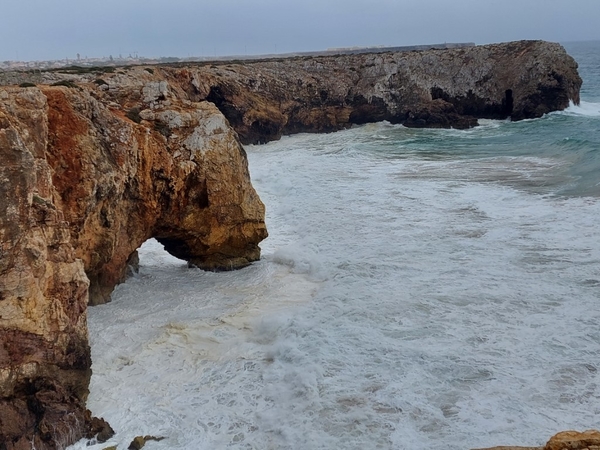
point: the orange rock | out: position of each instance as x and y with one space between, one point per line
575 440
82 186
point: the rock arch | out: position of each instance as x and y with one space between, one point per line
83 186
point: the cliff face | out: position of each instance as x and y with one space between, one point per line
435 88
82 186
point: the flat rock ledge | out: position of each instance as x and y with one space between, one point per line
565 440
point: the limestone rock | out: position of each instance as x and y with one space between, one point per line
510 447
82 186
453 87
565 440
90 170
434 88
575 440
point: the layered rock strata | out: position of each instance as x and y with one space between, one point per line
84 181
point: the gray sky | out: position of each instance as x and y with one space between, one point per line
43 29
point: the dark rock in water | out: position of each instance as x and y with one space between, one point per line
44 415
139 441
100 429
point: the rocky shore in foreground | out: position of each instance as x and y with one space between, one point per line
96 161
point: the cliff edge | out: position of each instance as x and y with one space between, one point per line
433 88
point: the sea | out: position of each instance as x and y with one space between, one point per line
419 289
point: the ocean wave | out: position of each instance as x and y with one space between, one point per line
589 109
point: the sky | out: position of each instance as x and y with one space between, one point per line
44 30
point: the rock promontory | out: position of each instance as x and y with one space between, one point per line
95 161
433 88
84 181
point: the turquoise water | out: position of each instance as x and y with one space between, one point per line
422 289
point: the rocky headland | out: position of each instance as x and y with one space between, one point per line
95 162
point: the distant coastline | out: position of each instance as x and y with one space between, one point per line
133 60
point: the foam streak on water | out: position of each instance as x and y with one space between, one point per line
405 300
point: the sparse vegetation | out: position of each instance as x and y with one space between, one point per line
78 70
134 114
66 83
162 128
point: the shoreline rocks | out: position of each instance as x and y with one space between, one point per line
432 88
565 440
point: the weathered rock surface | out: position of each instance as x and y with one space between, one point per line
434 88
82 186
565 440
575 440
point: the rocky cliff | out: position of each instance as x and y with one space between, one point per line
84 181
94 162
434 88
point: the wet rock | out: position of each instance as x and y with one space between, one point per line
139 441
100 430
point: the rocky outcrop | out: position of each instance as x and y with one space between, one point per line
439 88
86 177
565 440
434 88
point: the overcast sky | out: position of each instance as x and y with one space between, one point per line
43 29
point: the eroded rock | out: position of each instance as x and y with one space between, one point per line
575 440
565 440
433 88
82 186
91 170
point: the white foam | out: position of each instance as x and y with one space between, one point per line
400 303
588 109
